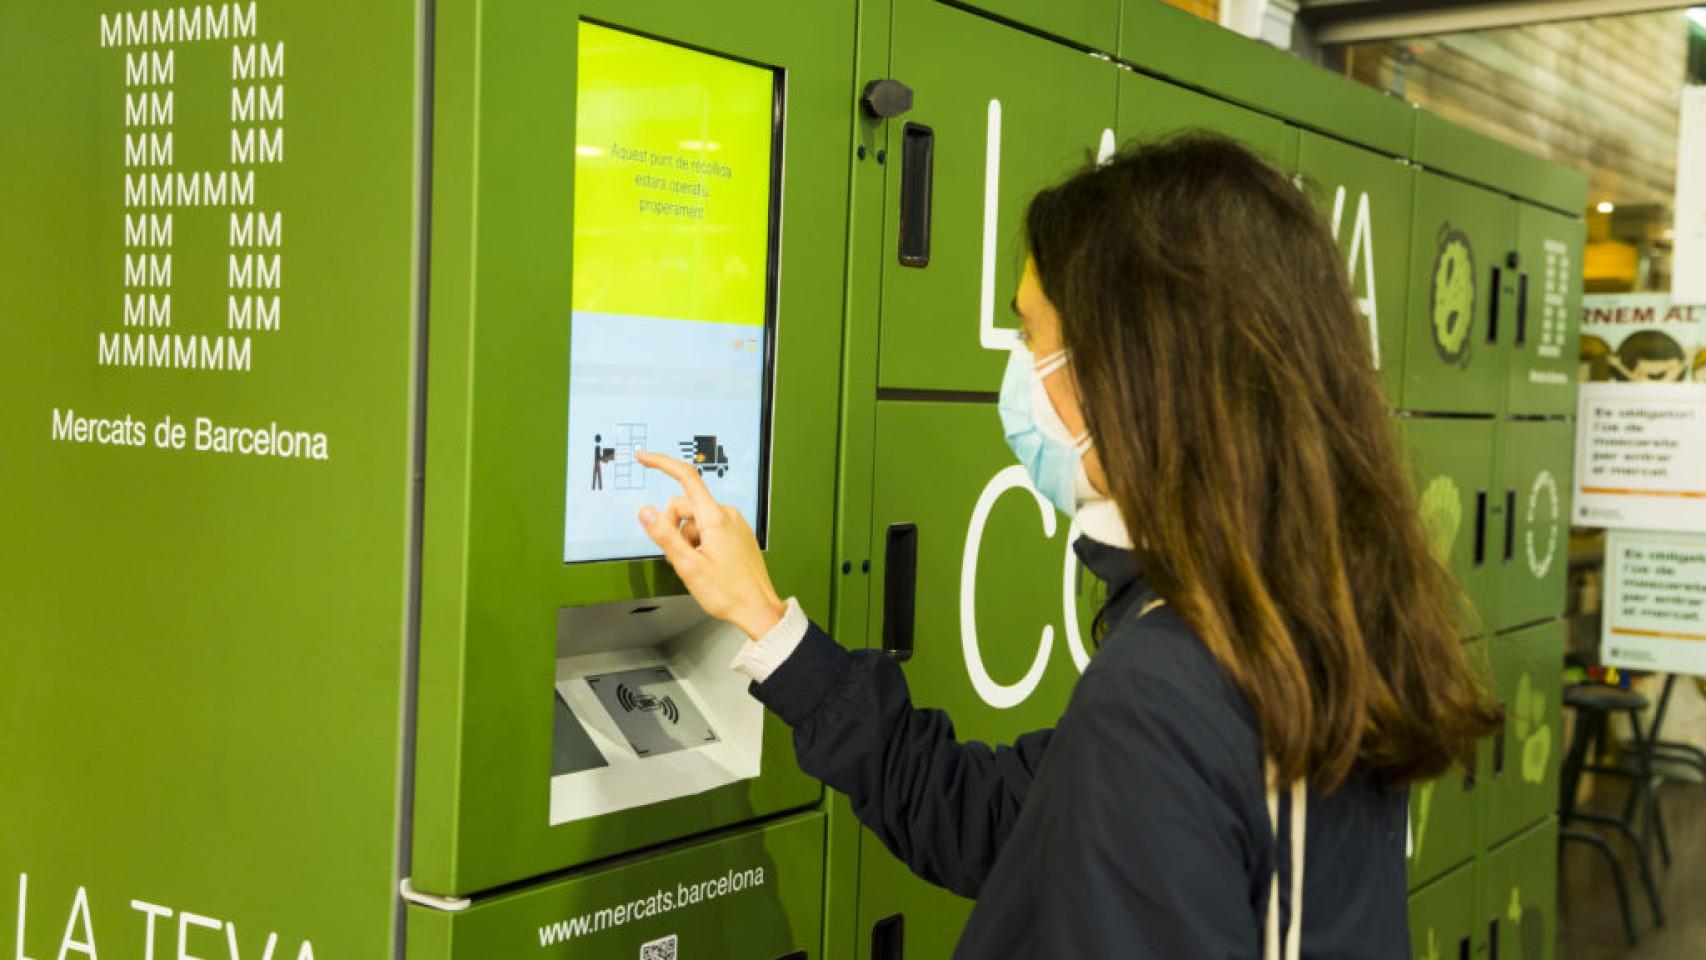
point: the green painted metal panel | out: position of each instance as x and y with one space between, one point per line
1529 571
1451 466
1528 677
1002 105
205 632
988 547
1369 199
758 893
1151 109
1093 23
1449 148
1463 296
1442 917
1161 39
1445 814
1544 357
505 119
1519 895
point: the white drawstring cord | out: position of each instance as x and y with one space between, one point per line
1293 949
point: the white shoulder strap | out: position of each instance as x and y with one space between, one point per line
1293 946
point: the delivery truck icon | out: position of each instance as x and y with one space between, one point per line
707 454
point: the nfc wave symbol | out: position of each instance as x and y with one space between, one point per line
643 702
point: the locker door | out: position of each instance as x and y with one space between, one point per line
1442 917
1463 289
1451 462
1151 109
1521 787
1549 298
1528 571
1369 198
1519 890
1445 815
1000 615
998 114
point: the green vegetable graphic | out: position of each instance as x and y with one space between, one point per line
1453 295
1442 514
1532 730
1424 803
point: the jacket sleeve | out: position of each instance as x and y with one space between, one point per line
943 807
1147 848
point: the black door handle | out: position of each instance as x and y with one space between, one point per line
1510 525
917 183
1522 308
1499 748
900 589
1493 305
887 938
1480 527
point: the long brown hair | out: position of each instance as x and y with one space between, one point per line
1226 377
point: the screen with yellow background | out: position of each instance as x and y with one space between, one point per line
672 181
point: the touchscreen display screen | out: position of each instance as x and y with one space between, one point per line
672 332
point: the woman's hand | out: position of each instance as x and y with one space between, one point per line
713 551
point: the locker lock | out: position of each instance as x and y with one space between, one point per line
1513 260
886 98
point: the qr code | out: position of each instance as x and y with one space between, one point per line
662 948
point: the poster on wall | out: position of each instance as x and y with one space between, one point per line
1655 602
1641 448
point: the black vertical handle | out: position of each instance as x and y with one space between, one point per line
1510 524
900 589
1499 747
1463 949
888 941
1493 305
1480 527
1522 308
917 183
1493 939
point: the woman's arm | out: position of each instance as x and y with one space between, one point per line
944 808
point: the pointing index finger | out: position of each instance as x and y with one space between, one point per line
686 475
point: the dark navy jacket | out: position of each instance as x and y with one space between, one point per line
1136 828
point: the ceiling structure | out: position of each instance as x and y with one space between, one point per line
1334 22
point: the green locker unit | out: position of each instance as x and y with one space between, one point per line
1543 361
998 115
1521 786
758 893
1151 109
1443 917
575 704
1369 199
1441 145
210 260
1519 895
1463 292
1092 24
1529 567
1000 621
1162 40
1451 462
1445 814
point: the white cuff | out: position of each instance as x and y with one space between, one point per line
761 657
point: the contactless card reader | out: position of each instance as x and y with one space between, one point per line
653 711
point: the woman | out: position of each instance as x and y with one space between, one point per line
1279 652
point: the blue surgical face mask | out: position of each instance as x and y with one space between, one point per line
1051 455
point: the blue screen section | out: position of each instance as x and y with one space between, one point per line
688 388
